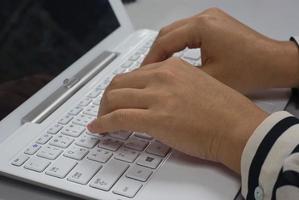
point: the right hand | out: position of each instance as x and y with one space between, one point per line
231 52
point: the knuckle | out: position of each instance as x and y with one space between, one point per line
119 117
214 10
163 31
163 75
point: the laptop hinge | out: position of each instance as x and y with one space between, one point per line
69 87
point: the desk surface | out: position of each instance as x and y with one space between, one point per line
275 18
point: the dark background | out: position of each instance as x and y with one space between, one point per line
41 38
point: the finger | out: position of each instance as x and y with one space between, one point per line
164 47
123 99
123 119
173 26
134 79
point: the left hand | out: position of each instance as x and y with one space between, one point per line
183 107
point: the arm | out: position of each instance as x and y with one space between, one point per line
270 160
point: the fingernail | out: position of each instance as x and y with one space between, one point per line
91 126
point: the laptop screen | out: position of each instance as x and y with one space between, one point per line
41 38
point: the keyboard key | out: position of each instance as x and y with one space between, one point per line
99 155
54 129
97 101
127 64
158 149
92 110
61 167
143 136
44 139
135 57
49 152
127 187
87 141
20 160
110 144
32 149
84 171
192 54
83 120
96 92
61 141
73 130
65 119
123 135
107 176
127 155
139 173
149 161
77 153
37 164
76 110
118 71
84 102
137 144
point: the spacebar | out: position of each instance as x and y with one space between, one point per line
106 178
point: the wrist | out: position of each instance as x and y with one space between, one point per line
285 65
232 145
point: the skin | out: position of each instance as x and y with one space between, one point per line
200 111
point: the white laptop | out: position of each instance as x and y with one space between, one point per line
43 140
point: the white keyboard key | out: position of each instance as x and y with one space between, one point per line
118 71
49 152
158 149
43 139
127 187
20 160
32 149
74 152
139 173
84 102
61 167
65 119
76 110
83 120
54 129
127 64
84 171
143 50
72 130
149 161
87 141
37 164
99 155
192 54
123 135
91 110
97 101
110 144
135 143
61 141
135 57
127 155
143 136
107 176
95 134
96 92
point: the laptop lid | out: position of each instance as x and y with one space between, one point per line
44 42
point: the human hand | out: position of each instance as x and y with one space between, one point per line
231 52
183 107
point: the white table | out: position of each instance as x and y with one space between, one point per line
276 18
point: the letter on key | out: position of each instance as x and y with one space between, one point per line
83 172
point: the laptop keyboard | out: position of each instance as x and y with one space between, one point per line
120 162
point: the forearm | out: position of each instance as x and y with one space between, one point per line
270 159
284 69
